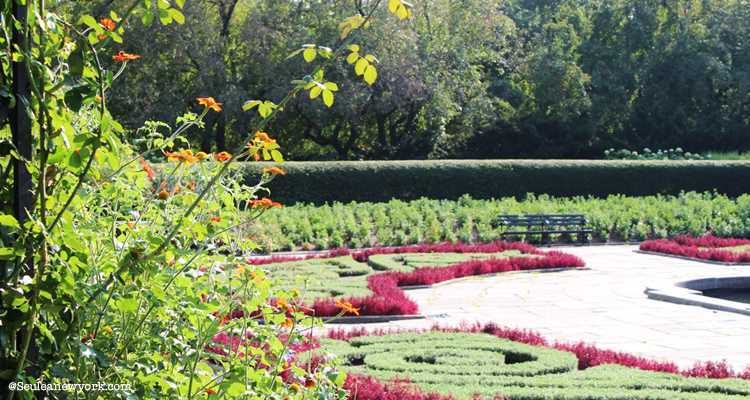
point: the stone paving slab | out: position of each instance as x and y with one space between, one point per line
605 305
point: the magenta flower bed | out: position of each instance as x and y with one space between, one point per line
389 299
704 248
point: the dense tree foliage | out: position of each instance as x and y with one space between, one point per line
470 78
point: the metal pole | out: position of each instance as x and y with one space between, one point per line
20 123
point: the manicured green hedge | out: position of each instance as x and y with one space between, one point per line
319 182
465 364
394 223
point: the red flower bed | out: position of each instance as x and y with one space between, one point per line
389 299
362 387
704 248
494 247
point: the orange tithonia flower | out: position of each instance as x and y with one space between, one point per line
215 219
223 156
274 171
347 307
147 168
131 224
123 57
108 24
186 156
209 102
201 155
265 203
256 156
163 195
263 137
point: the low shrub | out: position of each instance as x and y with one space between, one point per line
469 363
330 278
728 250
468 220
320 182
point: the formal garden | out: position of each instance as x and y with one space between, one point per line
374 200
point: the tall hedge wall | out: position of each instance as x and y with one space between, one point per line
319 182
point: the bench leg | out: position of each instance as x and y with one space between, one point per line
545 238
583 238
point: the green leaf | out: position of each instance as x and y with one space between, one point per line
352 58
89 21
147 18
164 17
309 54
9 220
127 304
328 98
163 4
177 15
277 156
331 86
250 104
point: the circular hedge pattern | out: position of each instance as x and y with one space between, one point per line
465 364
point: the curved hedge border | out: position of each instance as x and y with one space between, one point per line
461 362
388 298
319 182
704 248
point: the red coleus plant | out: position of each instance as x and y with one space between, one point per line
705 248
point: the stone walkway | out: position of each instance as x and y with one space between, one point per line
605 306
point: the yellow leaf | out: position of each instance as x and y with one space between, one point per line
315 92
309 54
371 74
360 67
352 58
393 5
328 98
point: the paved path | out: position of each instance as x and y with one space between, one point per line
605 306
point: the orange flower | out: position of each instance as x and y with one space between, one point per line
288 323
163 195
223 156
108 24
309 383
215 219
211 391
185 156
123 57
295 387
147 168
347 307
263 137
256 156
265 203
283 304
209 102
201 155
274 171
131 224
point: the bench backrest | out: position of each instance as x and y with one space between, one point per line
542 220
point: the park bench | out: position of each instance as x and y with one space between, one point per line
545 225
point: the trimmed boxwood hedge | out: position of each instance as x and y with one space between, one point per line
319 182
465 364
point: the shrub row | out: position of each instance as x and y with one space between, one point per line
467 220
349 278
728 250
436 363
319 182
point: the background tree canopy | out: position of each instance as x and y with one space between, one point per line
469 78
